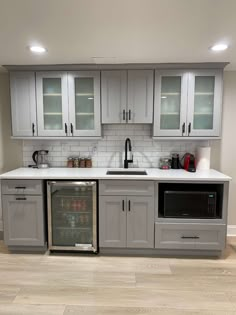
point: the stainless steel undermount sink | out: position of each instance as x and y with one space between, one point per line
126 172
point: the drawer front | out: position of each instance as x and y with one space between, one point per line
126 187
212 237
21 187
190 236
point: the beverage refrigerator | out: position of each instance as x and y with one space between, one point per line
72 215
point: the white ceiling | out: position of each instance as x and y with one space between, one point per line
121 31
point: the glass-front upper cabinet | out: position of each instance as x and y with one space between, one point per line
170 103
204 103
52 103
84 103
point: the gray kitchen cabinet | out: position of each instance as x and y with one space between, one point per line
124 187
170 106
112 221
21 187
126 217
84 103
188 103
190 236
23 104
68 103
140 219
114 96
23 220
52 103
23 213
204 103
127 96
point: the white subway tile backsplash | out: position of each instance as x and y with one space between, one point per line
107 152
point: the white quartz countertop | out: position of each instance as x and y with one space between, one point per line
100 173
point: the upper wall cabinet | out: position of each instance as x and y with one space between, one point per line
68 104
127 96
188 104
23 104
52 103
84 103
204 103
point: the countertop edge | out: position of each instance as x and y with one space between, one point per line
100 174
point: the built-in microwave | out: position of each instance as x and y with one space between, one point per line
190 204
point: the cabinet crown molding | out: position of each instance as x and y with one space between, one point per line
130 66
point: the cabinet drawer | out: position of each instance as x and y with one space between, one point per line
190 236
127 187
21 187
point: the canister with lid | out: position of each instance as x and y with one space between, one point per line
70 162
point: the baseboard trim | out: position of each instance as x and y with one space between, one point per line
231 230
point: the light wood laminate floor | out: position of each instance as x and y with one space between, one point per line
34 284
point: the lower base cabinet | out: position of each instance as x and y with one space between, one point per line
126 221
190 236
23 221
23 213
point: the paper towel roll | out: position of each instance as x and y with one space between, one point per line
203 158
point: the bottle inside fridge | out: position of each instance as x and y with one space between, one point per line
72 215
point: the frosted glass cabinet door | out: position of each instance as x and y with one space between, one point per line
170 103
52 103
204 103
84 103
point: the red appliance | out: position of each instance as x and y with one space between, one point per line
189 162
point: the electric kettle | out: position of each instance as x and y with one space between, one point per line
40 158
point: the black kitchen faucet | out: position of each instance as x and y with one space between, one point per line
126 161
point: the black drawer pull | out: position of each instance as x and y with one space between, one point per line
20 187
129 114
21 198
129 208
123 205
190 237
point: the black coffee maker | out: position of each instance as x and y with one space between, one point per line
175 161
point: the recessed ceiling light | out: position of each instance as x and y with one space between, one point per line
219 47
38 49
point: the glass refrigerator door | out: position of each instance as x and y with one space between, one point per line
72 216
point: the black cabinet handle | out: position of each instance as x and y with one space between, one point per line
190 237
33 128
20 187
123 114
189 128
66 129
71 129
123 205
183 129
129 205
21 198
129 114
